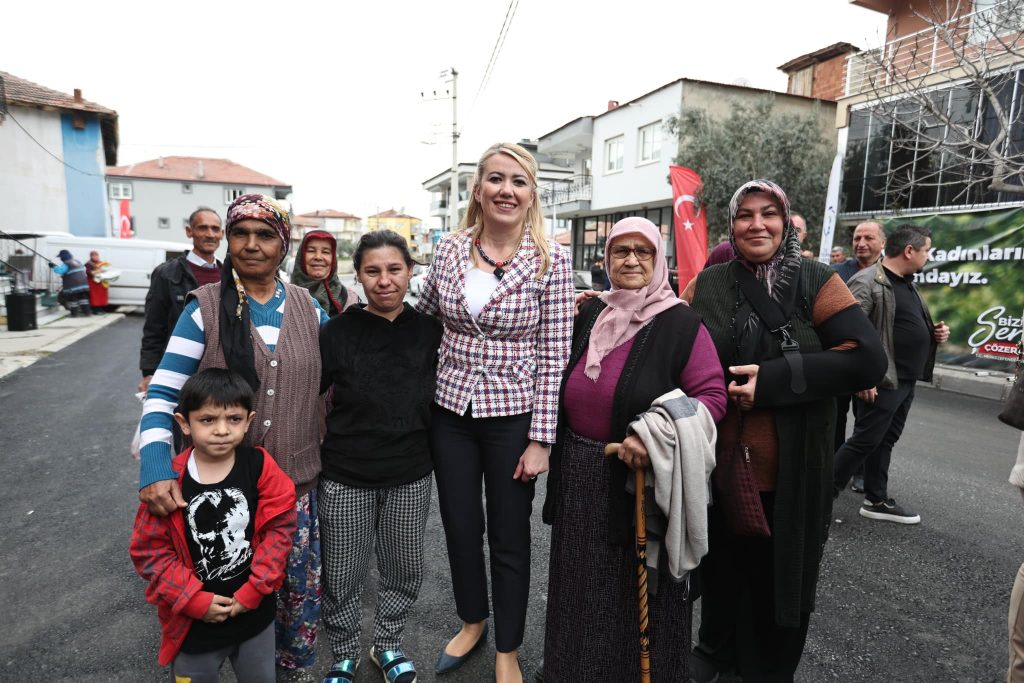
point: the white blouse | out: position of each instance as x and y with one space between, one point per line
479 288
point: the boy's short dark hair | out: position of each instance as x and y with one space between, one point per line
223 388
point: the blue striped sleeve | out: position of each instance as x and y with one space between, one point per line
320 311
180 361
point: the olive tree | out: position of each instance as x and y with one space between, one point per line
755 141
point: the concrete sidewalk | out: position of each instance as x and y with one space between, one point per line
56 331
989 384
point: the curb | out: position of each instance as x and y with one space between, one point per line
987 384
21 349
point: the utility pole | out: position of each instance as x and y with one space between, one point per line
453 203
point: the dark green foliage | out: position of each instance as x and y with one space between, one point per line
345 249
755 141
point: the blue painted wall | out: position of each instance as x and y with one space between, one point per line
87 207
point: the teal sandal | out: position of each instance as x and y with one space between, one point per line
394 665
342 672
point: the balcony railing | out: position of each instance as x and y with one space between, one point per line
22 270
576 189
983 35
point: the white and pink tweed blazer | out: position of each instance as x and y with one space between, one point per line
510 360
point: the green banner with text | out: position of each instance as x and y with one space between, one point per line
974 279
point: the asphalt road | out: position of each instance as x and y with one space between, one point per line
924 603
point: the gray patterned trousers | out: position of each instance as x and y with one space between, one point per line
353 521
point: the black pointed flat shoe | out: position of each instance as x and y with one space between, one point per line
447 663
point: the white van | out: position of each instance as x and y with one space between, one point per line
134 258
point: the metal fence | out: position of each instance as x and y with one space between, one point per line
576 189
21 269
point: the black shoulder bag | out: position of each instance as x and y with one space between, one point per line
776 318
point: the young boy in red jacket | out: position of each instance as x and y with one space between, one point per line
213 565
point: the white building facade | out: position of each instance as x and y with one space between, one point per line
164 192
620 159
39 129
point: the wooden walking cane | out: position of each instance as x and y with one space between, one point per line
641 569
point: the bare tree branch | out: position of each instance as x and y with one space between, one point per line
945 94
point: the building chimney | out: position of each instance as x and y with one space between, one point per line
78 94
160 162
200 171
612 104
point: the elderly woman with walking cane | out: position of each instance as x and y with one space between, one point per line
632 347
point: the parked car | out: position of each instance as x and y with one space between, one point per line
419 275
581 280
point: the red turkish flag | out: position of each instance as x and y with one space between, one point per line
125 219
691 228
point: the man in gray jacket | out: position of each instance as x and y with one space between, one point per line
868 243
887 294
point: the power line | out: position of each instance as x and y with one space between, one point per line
510 14
12 117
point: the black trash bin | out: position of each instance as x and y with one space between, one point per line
21 311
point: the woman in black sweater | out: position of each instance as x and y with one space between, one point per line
379 361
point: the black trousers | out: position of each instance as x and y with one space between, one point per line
738 627
469 454
842 409
877 428
843 403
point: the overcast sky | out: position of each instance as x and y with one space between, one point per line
326 96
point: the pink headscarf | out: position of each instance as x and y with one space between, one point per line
629 310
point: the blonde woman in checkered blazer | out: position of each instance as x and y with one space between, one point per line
505 296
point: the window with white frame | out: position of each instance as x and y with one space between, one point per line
613 149
648 143
120 190
232 193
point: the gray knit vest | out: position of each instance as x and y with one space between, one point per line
289 410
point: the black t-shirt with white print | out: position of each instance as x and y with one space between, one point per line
219 523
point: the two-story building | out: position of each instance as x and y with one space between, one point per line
344 226
409 227
909 104
549 176
164 192
931 126
618 160
53 148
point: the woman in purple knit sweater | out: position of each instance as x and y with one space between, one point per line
631 345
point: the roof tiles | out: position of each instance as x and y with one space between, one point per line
26 93
196 169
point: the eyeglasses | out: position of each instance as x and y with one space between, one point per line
642 253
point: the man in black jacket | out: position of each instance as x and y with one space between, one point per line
171 281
